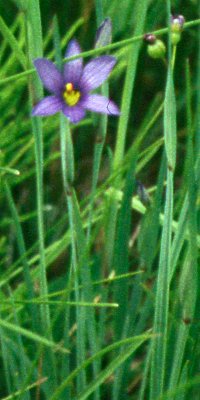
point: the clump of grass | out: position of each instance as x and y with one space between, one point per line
100 219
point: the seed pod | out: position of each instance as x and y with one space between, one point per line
156 48
177 23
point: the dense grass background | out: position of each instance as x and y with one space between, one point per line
99 268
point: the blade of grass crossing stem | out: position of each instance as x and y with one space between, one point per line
22 252
34 47
95 52
140 16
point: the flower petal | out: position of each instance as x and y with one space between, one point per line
96 72
48 106
75 113
100 104
73 69
50 76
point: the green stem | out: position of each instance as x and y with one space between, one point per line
92 53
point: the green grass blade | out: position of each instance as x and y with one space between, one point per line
135 342
140 10
170 121
10 38
115 363
22 251
32 336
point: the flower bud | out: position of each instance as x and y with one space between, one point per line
104 34
177 23
156 48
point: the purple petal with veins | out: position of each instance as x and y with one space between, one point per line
48 106
96 72
73 69
98 103
75 113
50 76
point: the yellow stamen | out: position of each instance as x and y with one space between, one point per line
70 95
69 87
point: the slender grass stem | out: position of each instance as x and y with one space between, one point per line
92 53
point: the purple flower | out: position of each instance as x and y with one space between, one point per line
71 89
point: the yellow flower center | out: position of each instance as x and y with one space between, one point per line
70 95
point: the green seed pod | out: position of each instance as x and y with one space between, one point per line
156 49
175 38
177 23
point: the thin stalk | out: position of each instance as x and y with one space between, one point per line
67 164
92 53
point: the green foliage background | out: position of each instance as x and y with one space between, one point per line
99 245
